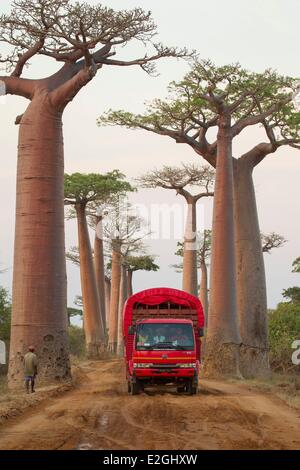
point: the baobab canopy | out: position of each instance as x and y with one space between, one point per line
69 32
193 105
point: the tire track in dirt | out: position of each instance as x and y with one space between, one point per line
99 414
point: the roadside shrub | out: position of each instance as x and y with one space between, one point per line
77 341
284 329
5 319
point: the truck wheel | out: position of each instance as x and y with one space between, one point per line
129 386
135 388
192 388
181 389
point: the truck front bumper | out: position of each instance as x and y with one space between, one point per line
163 372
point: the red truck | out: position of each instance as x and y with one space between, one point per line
162 332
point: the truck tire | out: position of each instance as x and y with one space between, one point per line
129 386
181 389
135 388
192 388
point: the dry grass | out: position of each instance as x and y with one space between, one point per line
284 386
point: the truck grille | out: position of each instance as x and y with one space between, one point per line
165 366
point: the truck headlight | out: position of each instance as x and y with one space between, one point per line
188 365
142 365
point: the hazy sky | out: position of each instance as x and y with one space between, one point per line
259 34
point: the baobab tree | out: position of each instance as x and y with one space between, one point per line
81 190
123 294
203 254
292 294
129 265
107 290
82 39
207 110
184 180
124 232
138 263
73 256
99 261
73 312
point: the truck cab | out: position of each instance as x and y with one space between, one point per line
162 332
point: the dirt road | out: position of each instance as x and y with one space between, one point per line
99 414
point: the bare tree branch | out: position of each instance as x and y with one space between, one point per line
23 58
258 118
181 179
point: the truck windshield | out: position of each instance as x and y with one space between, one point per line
164 336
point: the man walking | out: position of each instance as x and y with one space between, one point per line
30 369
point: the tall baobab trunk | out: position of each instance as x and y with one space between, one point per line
203 294
223 341
129 283
115 292
107 299
189 276
99 268
251 284
122 300
94 333
39 311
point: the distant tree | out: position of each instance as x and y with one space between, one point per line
271 240
203 254
296 265
77 341
139 263
73 312
5 314
292 294
284 329
99 259
80 190
73 255
107 280
124 231
185 180
78 301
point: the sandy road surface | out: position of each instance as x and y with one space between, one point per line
99 414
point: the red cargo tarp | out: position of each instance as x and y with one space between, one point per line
159 295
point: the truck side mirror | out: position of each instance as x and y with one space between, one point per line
201 332
131 330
